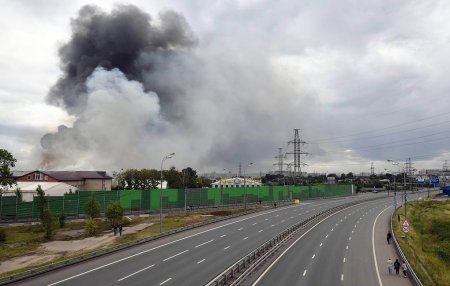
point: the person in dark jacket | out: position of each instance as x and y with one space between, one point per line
389 237
397 266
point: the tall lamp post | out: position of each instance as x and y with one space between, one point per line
160 190
404 181
245 191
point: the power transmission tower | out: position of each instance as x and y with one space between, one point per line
372 170
240 170
297 153
280 158
445 166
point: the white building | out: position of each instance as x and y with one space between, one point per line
28 189
236 182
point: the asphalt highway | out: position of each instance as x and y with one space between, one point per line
188 258
341 250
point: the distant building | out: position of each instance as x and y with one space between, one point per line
236 182
28 189
81 180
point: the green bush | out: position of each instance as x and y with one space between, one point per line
91 227
2 235
62 220
92 207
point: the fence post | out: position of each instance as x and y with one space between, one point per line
104 202
63 204
32 206
78 204
17 199
1 205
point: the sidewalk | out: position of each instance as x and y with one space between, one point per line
384 251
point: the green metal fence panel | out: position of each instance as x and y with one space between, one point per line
144 200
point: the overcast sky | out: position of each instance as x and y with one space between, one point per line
225 82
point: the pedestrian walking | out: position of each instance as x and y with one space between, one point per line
397 266
389 237
115 230
404 268
389 266
120 230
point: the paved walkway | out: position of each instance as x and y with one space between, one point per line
384 251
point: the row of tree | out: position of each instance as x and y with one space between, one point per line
132 179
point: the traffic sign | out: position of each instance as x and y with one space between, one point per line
405 227
435 181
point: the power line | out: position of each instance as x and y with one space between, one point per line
380 129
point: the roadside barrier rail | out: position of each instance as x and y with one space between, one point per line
411 274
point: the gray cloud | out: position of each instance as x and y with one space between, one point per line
257 71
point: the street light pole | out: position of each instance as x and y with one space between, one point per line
160 191
245 191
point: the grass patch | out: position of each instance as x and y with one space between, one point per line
21 240
428 248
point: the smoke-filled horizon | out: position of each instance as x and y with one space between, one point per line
203 107
223 83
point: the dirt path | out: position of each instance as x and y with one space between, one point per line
56 249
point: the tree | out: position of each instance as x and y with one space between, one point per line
45 214
18 194
91 227
173 178
92 207
7 161
189 177
203 182
114 213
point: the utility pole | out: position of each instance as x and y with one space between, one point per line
372 171
297 153
280 163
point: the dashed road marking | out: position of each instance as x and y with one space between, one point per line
179 253
136 272
165 281
204 243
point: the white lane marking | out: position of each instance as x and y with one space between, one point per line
240 228
326 236
346 247
373 247
165 281
266 219
260 230
353 231
245 238
350 238
223 235
272 225
304 272
344 260
159 246
342 277
313 256
136 272
332 229
225 248
292 217
283 220
179 253
198 262
255 223
290 246
320 245
204 243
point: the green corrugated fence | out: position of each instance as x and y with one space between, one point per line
146 200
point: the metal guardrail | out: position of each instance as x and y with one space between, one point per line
237 272
97 253
411 274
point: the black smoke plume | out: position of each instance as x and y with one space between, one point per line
125 39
